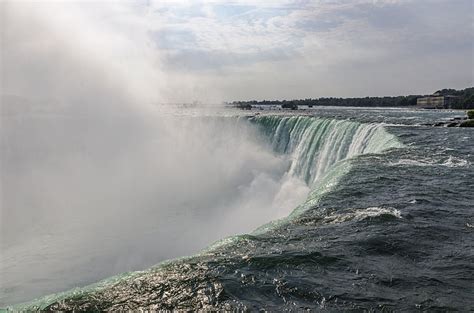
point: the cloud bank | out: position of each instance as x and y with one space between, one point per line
298 49
212 51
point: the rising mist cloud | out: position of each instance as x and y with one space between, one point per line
96 177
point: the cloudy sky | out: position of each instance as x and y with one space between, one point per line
235 50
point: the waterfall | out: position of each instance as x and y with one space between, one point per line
315 147
316 144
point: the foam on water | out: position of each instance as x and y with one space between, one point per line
451 161
361 214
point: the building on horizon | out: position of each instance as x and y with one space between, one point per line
437 101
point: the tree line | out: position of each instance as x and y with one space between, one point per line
465 100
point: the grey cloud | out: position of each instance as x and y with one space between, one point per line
391 16
318 24
204 60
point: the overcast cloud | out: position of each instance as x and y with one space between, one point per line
230 50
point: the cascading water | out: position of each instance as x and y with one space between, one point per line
315 148
316 144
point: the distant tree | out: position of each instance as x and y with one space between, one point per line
468 102
470 114
289 105
465 101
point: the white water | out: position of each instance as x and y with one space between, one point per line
316 144
83 206
361 214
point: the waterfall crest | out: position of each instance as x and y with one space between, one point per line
316 144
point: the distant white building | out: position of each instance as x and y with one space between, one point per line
436 101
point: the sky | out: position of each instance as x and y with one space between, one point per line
213 51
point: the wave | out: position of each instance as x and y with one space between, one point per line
361 214
451 161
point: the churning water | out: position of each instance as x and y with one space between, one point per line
330 209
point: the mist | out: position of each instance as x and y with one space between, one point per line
96 177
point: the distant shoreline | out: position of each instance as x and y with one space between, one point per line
464 100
